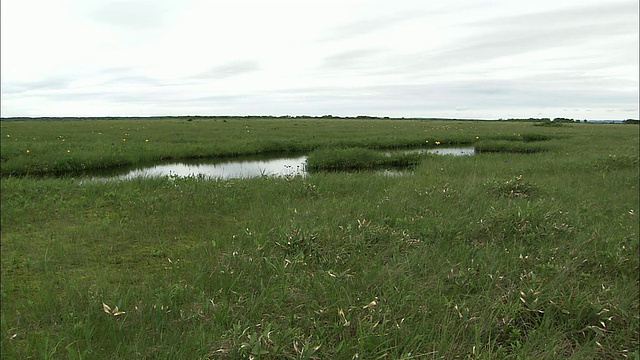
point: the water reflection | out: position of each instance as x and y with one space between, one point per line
232 169
452 151
455 151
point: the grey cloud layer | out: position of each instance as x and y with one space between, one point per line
14 88
544 30
550 32
421 99
229 70
349 59
133 14
623 13
501 37
470 70
371 25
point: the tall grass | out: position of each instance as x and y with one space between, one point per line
486 256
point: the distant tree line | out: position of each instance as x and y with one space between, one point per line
527 119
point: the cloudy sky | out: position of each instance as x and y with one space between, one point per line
400 58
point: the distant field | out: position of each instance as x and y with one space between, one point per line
528 249
71 146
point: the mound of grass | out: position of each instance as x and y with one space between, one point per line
526 137
508 147
357 159
535 137
514 187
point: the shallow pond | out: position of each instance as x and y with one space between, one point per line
235 168
242 168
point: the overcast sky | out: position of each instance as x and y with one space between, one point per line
400 58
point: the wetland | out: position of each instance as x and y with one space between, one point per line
507 253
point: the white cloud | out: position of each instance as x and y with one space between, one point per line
474 59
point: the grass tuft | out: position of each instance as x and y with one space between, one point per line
514 187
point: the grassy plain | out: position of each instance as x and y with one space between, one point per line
496 255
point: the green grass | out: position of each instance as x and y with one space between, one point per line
76 146
349 159
509 147
496 255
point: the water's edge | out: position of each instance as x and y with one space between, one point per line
239 168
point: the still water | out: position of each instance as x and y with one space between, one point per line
238 168
231 169
453 151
